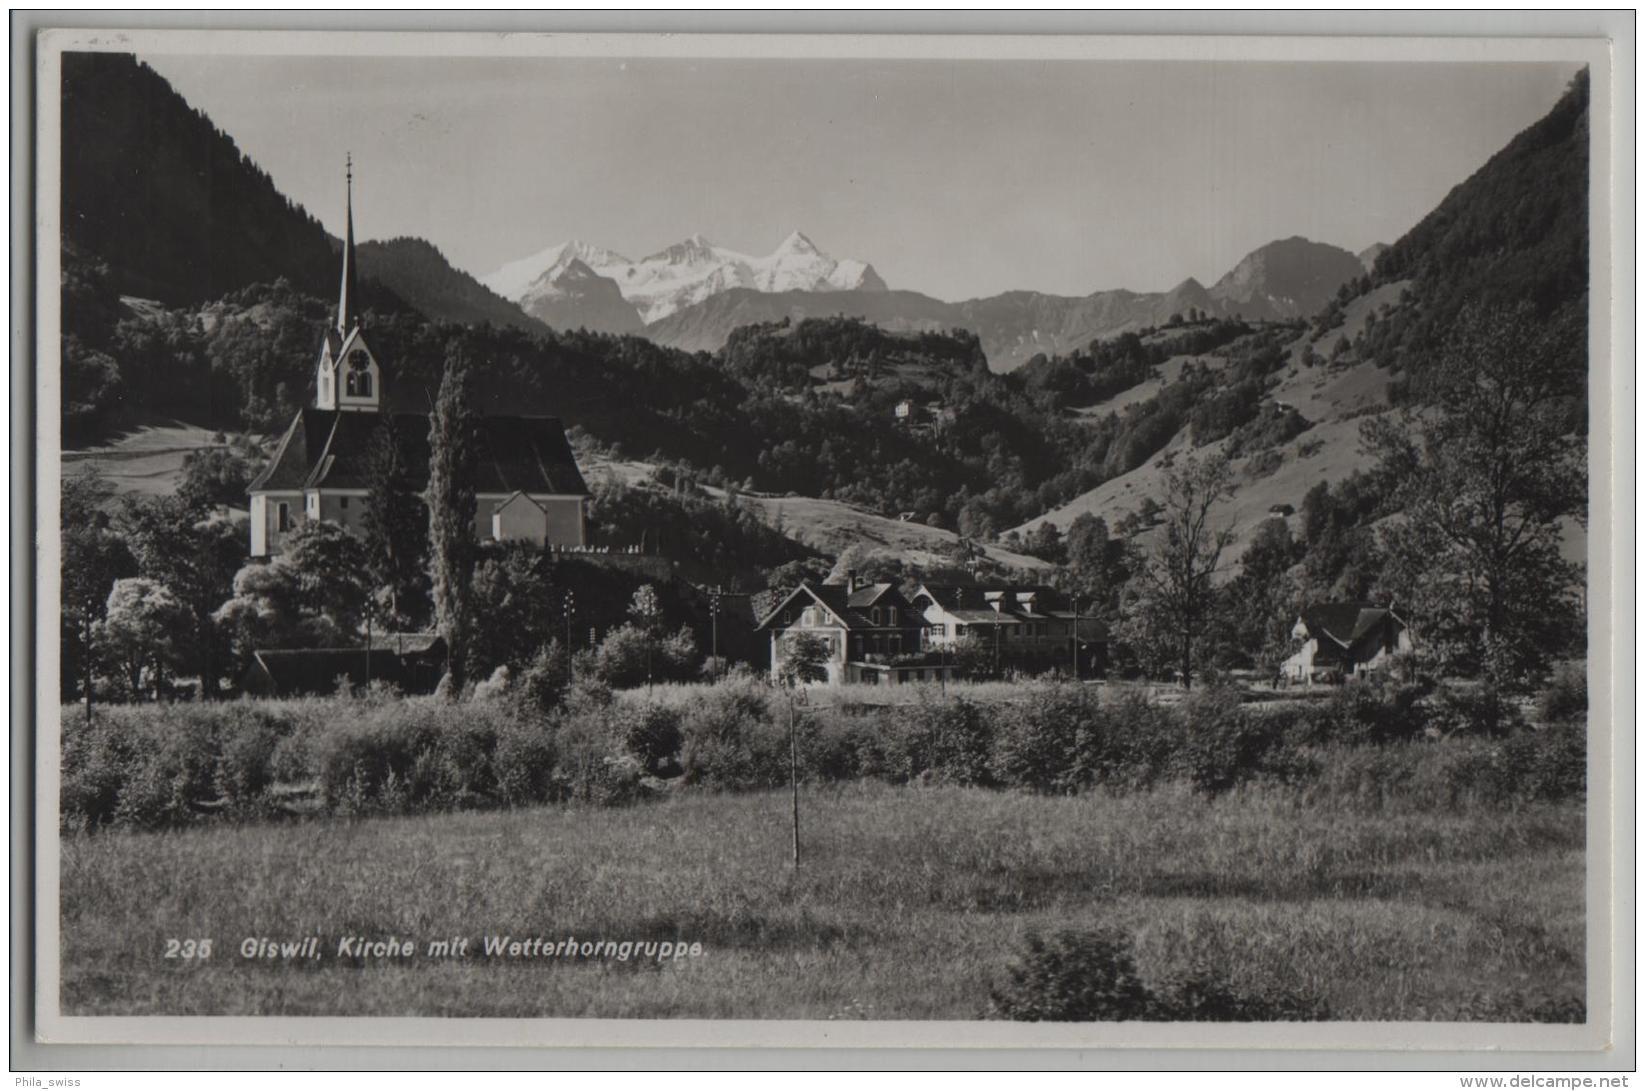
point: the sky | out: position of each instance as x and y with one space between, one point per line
954 178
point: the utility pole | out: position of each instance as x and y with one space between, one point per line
570 612
1074 640
714 615
370 613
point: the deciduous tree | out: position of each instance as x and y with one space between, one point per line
1491 467
1178 592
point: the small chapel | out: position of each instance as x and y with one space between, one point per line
529 486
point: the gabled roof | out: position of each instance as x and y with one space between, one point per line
1345 623
331 448
846 606
289 672
511 498
964 596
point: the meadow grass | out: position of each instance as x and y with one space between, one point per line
910 904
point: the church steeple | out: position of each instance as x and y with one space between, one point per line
348 296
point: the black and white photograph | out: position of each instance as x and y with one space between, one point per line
834 538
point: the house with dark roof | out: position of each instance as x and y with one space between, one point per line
1344 639
527 473
1028 625
872 633
412 662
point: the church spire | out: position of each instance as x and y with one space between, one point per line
347 298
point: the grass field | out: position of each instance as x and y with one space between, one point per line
910 904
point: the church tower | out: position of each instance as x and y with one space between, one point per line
348 377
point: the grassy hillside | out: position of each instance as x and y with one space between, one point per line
145 459
911 904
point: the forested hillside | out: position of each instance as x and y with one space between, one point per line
157 192
1515 232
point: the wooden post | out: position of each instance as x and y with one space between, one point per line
794 776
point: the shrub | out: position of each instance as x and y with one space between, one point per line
1226 745
651 734
1091 976
591 763
494 688
1565 700
1074 977
949 742
732 740
524 761
1480 711
1139 741
1204 995
1045 742
545 681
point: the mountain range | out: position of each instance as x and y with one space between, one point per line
558 280
693 294
1288 279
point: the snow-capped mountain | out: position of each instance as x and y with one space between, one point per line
569 294
512 280
686 273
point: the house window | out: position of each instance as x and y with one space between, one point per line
284 519
788 617
875 614
344 502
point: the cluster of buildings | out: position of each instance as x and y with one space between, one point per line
874 634
531 489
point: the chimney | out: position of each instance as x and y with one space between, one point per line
850 581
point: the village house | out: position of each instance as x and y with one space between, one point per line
410 662
1343 639
1023 622
872 633
529 485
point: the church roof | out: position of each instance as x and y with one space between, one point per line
326 448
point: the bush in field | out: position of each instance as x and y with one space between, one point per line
1549 764
546 679
1224 745
494 688
651 733
1203 994
1091 976
1368 712
1046 742
524 761
161 766
1074 977
732 740
1478 711
950 742
417 754
247 736
1139 742
1565 700
592 763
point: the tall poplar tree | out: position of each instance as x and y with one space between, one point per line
396 525
452 505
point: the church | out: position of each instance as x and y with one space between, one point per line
529 487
